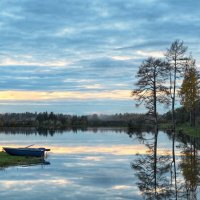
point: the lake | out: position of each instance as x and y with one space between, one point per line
104 164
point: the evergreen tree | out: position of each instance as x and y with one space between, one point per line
151 90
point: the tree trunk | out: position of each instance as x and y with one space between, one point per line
155 163
190 118
174 98
174 166
194 117
155 101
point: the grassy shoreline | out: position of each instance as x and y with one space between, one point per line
183 128
188 130
7 160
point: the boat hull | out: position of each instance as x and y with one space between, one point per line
35 152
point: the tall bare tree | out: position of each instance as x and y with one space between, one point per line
175 56
151 90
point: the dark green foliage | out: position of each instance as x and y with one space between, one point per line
117 120
60 121
45 121
7 160
182 116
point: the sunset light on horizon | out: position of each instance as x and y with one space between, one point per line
75 51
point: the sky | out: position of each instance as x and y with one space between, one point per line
81 57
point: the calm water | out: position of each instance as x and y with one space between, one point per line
104 164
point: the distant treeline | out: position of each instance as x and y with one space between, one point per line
51 120
61 121
42 120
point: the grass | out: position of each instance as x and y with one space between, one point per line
7 160
184 128
188 130
164 126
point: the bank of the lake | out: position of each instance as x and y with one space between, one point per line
106 162
7 160
188 130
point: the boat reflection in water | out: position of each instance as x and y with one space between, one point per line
172 175
28 156
167 166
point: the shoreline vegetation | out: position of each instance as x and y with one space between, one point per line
7 160
165 81
61 121
49 122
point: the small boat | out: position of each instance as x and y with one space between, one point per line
24 151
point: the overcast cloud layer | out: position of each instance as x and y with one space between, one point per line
81 56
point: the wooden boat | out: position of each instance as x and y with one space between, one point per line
35 152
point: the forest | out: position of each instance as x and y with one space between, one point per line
133 121
171 81
62 121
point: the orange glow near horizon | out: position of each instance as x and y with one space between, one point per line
47 95
114 150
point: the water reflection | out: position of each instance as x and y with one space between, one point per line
41 163
96 164
190 167
168 176
151 170
52 132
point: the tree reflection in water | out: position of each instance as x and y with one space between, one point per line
167 176
190 167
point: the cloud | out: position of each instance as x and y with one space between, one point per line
122 187
16 183
13 62
88 46
95 86
156 54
